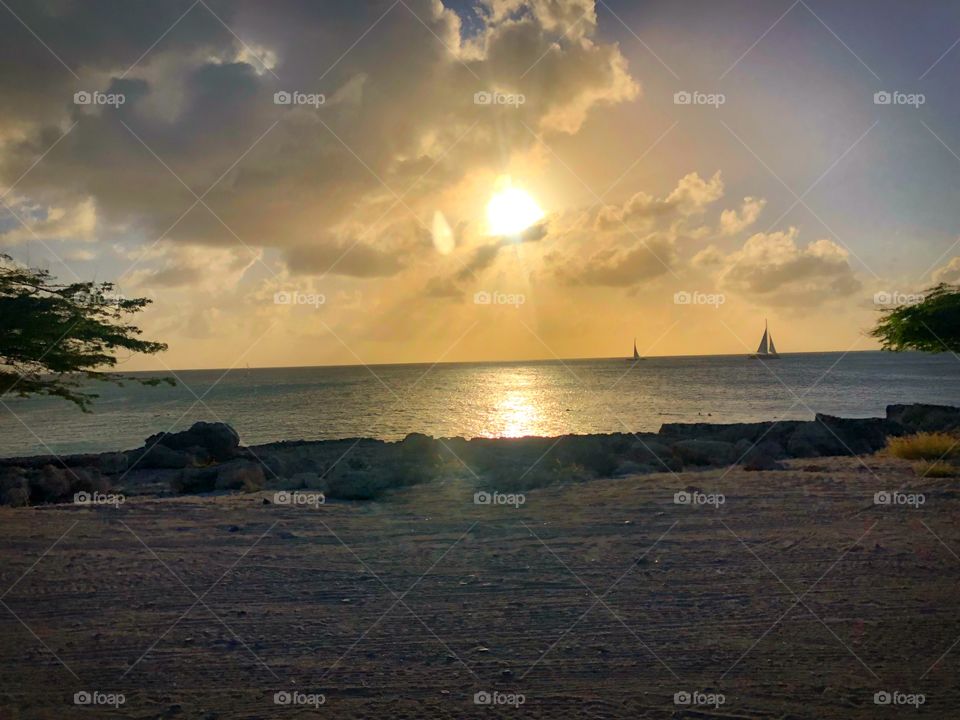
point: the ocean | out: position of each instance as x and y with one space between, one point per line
483 399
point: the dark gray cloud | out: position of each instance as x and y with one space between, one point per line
199 110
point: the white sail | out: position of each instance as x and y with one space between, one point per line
773 348
636 355
762 350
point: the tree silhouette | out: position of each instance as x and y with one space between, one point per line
55 337
932 325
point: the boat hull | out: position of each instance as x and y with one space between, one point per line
764 356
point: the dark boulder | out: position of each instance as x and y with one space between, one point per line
860 436
704 452
830 436
813 439
778 431
240 475
194 480
908 419
216 441
650 453
156 456
757 460
113 463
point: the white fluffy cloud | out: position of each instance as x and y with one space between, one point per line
733 222
774 268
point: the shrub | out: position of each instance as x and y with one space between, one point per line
924 446
935 469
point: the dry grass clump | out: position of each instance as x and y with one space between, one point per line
924 446
935 469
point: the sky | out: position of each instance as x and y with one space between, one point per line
302 183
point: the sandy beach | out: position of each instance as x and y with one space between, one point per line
796 597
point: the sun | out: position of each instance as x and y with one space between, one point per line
512 210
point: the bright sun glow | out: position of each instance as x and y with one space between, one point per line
511 211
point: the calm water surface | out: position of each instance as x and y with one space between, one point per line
484 399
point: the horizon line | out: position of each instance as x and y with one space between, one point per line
492 362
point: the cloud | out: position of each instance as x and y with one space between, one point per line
623 245
198 269
481 258
732 222
199 114
76 223
623 264
773 268
692 196
357 259
949 273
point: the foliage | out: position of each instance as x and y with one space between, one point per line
933 469
54 337
924 446
932 325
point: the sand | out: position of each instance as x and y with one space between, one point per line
798 597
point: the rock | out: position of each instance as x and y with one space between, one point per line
420 449
756 460
50 484
113 463
194 480
309 480
860 436
813 439
11 477
628 467
745 449
161 457
704 452
240 475
649 451
909 419
219 441
15 497
778 431
276 467
353 480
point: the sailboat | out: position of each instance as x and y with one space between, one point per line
767 350
636 356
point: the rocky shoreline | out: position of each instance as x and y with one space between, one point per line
209 458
